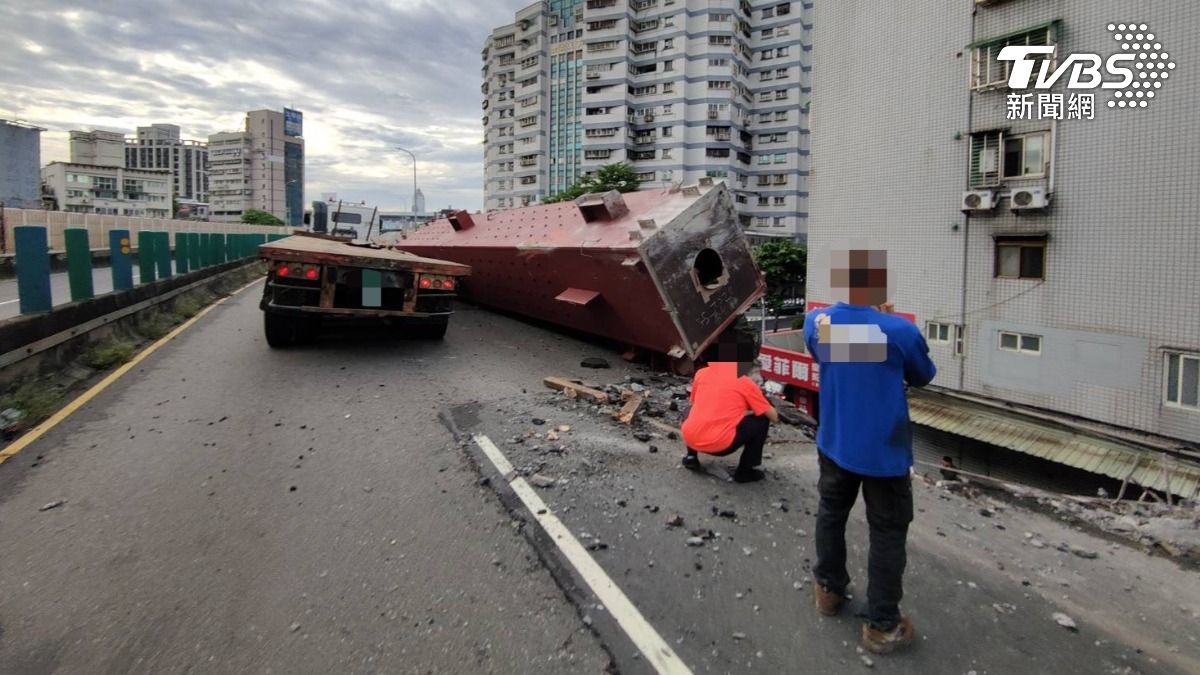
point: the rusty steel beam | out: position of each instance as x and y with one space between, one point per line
664 270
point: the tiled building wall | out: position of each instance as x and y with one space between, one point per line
891 149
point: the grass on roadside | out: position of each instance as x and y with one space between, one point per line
108 354
37 398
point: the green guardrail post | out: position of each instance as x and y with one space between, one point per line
33 269
162 254
145 257
120 259
181 252
79 263
193 250
231 247
206 249
219 248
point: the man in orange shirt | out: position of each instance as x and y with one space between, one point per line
728 412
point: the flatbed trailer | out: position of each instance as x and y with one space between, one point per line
313 278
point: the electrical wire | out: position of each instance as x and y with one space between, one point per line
991 306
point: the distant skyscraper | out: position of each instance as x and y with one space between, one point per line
20 165
159 146
419 202
260 168
679 89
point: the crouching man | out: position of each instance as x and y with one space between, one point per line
728 411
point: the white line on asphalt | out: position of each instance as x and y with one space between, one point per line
651 645
9 302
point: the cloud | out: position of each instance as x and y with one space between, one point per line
368 75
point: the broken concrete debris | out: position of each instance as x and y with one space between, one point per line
675 521
53 505
594 362
1064 621
538 480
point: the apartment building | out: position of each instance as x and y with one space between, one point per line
1045 239
160 146
260 167
98 148
20 165
108 190
679 89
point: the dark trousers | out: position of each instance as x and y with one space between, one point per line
889 511
752 435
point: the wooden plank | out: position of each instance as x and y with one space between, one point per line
563 384
633 403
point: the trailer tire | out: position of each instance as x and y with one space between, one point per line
279 330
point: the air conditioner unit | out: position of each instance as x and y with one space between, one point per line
593 76
978 200
1029 198
649 117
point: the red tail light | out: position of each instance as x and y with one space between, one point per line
310 273
282 271
448 284
426 283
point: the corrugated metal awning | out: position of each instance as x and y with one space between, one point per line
1143 466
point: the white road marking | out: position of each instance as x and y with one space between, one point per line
651 645
9 302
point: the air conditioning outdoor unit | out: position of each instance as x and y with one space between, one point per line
593 76
1029 198
978 200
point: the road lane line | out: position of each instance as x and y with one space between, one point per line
57 418
9 302
651 645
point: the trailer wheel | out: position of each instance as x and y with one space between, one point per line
279 330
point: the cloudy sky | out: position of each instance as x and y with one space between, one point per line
368 75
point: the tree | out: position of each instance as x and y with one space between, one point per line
620 177
785 266
257 217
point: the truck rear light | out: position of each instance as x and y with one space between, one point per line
426 282
310 273
282 271
448 284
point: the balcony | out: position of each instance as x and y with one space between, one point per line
601 4
645 140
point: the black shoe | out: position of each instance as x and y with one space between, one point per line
748 475
691 462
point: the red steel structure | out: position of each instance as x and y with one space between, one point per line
662 270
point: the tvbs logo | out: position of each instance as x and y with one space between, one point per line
1142 64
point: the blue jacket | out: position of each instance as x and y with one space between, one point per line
863 412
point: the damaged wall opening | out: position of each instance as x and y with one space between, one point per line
708 271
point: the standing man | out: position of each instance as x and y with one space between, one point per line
866 355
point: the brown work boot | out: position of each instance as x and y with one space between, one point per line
885 642
828 602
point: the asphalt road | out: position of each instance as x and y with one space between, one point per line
233 509
60 289
229 508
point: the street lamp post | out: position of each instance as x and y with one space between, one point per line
414 161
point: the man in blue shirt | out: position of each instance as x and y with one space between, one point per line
866 355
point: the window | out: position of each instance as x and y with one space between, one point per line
784 9
781 94
668 87
666 132
781 115
767 55
777 221
764 159
765 76
780 158
937 332
781 73
781 52
1025 156
720 39
985 159
779 201
1183 381
768 32
668 66
668 43
989 72
768 12
666 153
716 152
716 173
718 63
1020 257
646 176
718 84
666 109
719 18
1021 343
764 96
764 117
